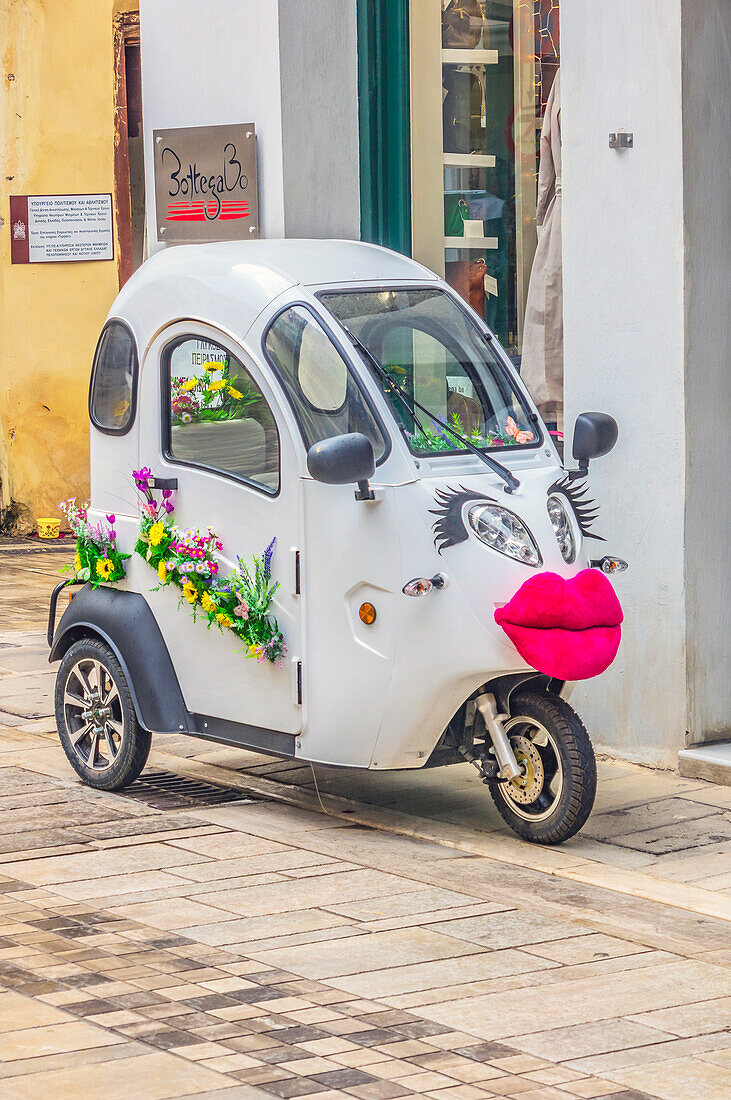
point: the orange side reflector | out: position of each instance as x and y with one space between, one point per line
367 613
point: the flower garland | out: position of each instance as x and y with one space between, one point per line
240 603
97 559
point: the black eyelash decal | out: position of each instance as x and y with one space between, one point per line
584 507
449 527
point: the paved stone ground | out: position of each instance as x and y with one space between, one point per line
183 939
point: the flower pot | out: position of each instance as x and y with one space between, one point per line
49 528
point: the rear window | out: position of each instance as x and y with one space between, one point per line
114 380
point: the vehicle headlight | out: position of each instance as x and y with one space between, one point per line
504 532
562 529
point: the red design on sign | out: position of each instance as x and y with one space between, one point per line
208 210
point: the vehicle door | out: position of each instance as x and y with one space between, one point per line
350 548
210 420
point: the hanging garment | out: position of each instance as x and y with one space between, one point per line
541 365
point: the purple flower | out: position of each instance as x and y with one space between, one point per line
142 476
166 494
268 557
167 505
113 535
111 519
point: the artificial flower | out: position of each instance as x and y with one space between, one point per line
186 418
162 571
190 592
217 385
157 533
207 603
212 366
78 566
111 519
224 620
190 384
242 610
512 429
104 568
233 392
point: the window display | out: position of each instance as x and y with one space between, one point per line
495 62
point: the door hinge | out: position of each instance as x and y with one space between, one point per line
298 682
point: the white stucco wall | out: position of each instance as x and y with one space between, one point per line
319 74
215 61
288 66
624 345
707 176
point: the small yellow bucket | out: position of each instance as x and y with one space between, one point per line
49 528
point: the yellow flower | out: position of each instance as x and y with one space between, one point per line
104 568
217 385
190 592
212 366
207 603
162 572
78 566
157 532
223 619
190 384
233 392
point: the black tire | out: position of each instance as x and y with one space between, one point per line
95 716
566 795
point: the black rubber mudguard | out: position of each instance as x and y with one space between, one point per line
125 622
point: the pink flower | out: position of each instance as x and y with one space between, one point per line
242 610
111 519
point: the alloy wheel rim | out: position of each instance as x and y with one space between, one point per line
537 751
93 714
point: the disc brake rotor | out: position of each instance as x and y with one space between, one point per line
526 788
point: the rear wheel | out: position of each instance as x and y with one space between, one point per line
97 725
554 796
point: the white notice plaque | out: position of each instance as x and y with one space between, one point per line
59 228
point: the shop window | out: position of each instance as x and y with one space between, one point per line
481 76
114 380
217 417
321 388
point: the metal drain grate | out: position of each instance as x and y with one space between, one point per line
167 791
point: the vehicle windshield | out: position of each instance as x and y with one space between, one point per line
434 355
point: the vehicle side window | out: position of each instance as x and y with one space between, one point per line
114 380
324 393
217 417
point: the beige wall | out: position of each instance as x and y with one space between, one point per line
56 136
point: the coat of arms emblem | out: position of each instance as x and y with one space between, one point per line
19 232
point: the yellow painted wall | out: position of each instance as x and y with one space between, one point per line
56 136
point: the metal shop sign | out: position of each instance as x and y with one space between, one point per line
205 183
57 228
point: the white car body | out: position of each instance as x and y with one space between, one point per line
372 696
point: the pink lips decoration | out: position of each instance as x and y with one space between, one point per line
566 629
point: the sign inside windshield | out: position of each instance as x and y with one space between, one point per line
206 184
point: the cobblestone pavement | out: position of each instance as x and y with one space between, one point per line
186 939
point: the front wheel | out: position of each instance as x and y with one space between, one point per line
554 796
97 726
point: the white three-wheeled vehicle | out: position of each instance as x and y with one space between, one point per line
435 592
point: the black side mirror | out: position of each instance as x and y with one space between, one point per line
342 460
594 435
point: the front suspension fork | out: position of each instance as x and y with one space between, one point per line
509 766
